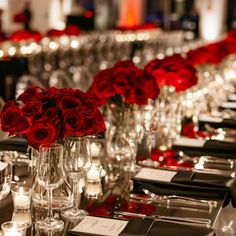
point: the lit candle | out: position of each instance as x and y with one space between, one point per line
14 228
93 188
12 233
93 183
22 201
21 197
95 149
94 174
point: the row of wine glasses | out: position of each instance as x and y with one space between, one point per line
55 160
74 62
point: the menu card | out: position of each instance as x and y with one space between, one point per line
155 175
100 226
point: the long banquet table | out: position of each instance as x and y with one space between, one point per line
113 198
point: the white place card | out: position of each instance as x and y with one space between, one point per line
232 97
189 142
100 226
156 175
207 118
228 105
3 165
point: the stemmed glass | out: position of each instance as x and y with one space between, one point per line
77 156
133 133
50 176
149 119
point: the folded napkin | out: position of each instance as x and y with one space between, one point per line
144 227
190 184
16 143
138 227
205 147
216 122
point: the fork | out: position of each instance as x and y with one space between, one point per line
175 219
209 203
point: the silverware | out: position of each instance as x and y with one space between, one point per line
215 160
199 169
210 203
175 219
173 203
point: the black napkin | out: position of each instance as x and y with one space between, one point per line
16 143
193 185
226 123
149 227
137 227
211 147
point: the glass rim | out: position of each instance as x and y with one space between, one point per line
50 145
17 225
21 190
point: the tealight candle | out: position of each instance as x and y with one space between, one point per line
93 187
21 197
94 174
14 228
95 149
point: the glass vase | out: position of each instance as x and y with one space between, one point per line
61 196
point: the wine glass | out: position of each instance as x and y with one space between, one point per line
77 163
133 133
149 119
50 176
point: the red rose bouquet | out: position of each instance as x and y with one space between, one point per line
124 83
45 115
212 53
173 71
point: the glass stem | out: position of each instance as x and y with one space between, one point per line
149 146
50 213
76 194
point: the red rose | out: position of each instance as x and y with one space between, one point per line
45 115
172 71
150 87
41 132
12 120
72 30
102 88
23 125
87 127
72 122
31 94
69 102
55 33
204 55
120 81
136 95
53 114
32 109
89 107
99 124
